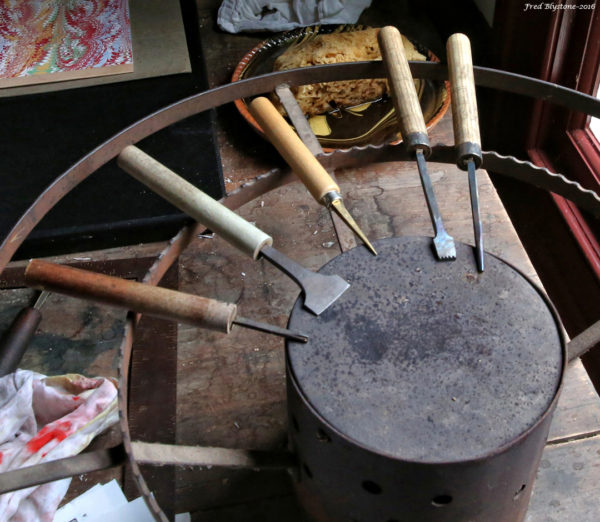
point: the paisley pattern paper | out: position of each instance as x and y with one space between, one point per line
50 40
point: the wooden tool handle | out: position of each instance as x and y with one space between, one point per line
16 339
148 299
404 93
464 101
293 150
193 201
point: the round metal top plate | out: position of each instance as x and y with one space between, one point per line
428 361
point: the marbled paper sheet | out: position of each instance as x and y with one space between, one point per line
52 40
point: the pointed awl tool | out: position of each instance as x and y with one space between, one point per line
144 298
297 155
320 290
466 125
413 129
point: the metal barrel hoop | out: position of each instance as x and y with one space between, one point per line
484 77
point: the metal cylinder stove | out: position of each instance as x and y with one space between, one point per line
426 391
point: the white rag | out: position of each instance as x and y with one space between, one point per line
43 419
281 15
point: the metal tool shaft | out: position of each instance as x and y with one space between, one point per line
477 225
269 328
443 242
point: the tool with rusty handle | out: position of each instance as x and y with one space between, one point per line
146 299
413 129
466 125
16 339
320 291
318 182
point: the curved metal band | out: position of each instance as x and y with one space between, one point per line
212 98
218 96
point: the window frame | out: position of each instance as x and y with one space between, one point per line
559 139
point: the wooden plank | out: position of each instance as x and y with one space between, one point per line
567 487
578 409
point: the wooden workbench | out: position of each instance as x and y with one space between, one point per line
231 389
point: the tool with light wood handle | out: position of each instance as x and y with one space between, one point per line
320 291
413 129
143 298
317 180
466 125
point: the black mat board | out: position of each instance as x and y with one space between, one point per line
44 134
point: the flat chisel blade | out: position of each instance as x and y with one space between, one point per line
320 291
442 242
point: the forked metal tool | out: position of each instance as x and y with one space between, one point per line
16 338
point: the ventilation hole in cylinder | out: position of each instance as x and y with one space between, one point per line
322 436
371 487
520 492
441 500
295 424
307 471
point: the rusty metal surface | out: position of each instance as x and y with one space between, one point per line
426 391
224 94
339 480
428 361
